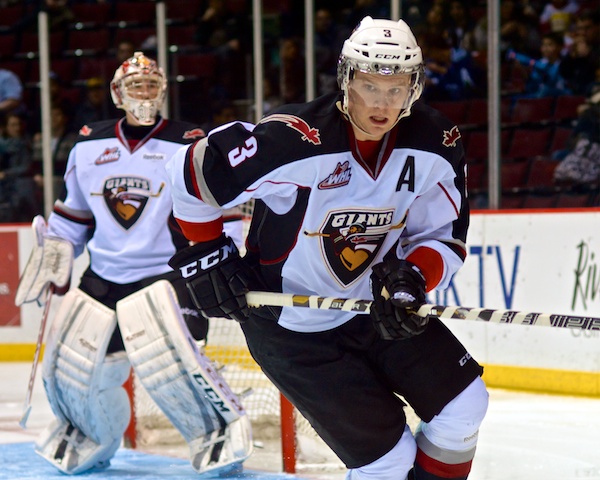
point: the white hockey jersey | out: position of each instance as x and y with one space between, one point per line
118 201
323 217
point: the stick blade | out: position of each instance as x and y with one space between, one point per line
25 417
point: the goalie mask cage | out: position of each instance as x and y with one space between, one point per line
277 425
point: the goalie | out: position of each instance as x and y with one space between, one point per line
130 308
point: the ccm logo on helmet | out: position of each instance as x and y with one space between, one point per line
387 56
208 261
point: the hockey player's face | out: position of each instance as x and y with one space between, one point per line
141 87
375 101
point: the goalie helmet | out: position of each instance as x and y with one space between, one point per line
139 87
382 47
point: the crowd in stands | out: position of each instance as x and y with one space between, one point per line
550 52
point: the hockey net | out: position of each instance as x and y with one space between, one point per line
281 434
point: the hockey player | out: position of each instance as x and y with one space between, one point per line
358 194
129 307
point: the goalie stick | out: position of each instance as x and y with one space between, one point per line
273 299
36 360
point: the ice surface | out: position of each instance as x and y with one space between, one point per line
524 437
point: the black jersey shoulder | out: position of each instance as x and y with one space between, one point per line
429 130
306 130
98 130
289 134
180 132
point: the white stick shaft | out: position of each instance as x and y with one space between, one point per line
273 299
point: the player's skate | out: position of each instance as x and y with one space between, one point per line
182 381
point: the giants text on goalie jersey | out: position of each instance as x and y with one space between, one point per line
324 216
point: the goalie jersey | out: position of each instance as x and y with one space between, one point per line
118 201
324 216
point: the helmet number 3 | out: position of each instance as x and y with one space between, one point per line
387 33
240 154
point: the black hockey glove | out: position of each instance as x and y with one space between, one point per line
394 317
216 277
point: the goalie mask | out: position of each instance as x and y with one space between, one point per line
139 87
387 48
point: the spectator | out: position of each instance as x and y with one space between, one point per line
362 8
544 76
460 24
581 165
579 65
557 16
62 140
329 38
436 24
94 107
16 185
11 92
59 95
60 16
226 34
292 71
124 51
518 31
450 73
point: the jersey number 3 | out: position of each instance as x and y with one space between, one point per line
238 155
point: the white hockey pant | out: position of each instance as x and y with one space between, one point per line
83 386
450 437
181 380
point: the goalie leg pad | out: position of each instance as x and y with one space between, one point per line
83 385
181 379
50 262
71 451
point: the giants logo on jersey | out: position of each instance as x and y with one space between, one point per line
126 198
351 239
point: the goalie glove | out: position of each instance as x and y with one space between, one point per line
216 277
398 288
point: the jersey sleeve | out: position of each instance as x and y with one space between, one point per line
199 221
71 218
436 242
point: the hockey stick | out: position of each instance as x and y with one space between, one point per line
36 359
273 299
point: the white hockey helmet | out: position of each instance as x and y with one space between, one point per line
383 47
139 87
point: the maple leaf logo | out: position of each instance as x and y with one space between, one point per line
451 137
85 131
309 133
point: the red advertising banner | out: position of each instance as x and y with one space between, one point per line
10 315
